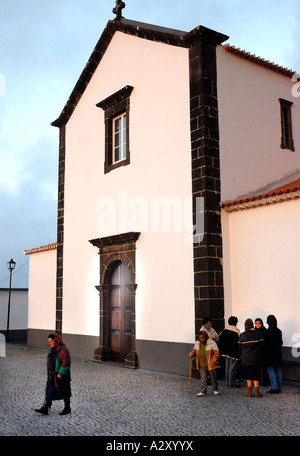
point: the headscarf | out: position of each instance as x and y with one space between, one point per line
262 330
51 355
56 338
259 319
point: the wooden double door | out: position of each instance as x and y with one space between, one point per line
120 313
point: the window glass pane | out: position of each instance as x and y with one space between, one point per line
124 135
286 124
119 138
118 124
117 154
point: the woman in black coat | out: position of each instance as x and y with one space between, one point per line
273 354
259 327
250 349
58 372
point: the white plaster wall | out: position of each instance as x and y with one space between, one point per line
18 315
250 127
42 290
261 254
160 167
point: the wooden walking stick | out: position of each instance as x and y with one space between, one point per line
191 360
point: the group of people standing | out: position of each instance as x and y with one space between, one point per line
254 355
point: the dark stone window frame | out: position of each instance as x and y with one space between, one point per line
287 141
113 106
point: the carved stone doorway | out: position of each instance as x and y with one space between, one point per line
117 299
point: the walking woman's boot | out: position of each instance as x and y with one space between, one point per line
67 408
45 408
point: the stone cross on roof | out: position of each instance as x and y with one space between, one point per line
118 9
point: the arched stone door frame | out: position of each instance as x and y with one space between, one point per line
113 250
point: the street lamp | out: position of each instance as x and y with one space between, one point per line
11 266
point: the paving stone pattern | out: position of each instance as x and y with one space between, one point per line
112 401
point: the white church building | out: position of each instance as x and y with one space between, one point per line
178 198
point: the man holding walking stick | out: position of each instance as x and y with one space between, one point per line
207 354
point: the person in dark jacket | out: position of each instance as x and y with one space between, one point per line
229 349
259 326
273 354
58 372
250 350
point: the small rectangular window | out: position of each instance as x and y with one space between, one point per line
116 118
119 138
286 124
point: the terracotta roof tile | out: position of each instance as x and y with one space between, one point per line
42 248
259 61
285 192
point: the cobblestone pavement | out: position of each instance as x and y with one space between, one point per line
112 401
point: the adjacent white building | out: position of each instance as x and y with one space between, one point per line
15 314
41 293
165 133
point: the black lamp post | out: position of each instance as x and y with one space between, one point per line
11 266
